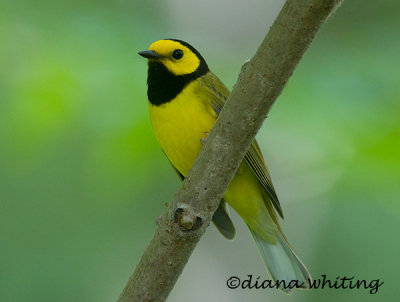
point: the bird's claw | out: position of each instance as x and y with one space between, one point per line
203 139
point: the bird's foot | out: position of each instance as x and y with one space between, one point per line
203 139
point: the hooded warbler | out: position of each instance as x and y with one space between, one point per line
184 99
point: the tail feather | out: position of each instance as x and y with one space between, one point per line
282 263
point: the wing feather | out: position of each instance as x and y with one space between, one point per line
217 94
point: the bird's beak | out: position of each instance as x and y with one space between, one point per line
150 54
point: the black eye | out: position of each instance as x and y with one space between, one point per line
177 54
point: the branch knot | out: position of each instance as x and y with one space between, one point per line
186 220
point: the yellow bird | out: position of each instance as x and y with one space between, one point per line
184 99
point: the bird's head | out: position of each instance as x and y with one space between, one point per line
179 57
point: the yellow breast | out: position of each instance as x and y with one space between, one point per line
180 124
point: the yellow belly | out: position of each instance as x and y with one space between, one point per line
179 126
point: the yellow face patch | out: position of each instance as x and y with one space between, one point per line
186 63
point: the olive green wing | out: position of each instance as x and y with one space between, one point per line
217 94
220 218
256 161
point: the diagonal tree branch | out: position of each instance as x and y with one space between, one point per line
260 83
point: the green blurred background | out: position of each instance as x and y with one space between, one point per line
82 178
